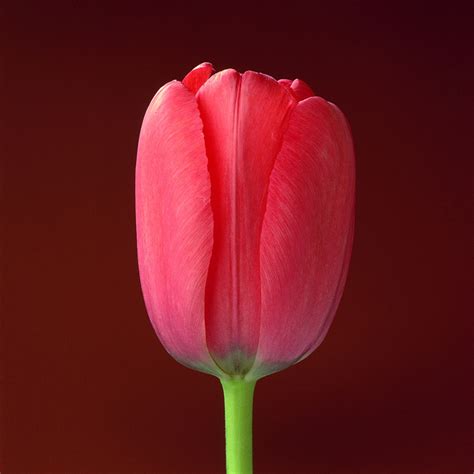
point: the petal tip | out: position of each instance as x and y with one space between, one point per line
198 76
301 90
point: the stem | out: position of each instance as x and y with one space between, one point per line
238 401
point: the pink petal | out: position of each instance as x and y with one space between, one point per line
301 90
198 76
306 235
244 118
285 82
174 223
298 88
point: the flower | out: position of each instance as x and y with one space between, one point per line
245 215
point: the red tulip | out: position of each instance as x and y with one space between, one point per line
245 215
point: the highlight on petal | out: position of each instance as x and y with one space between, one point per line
198 76
306 235
174 223
244 119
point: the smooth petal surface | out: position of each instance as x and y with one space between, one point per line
298 88
285 82
198 76
244 119
301 90
174 223
306 234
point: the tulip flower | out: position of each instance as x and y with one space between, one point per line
245 213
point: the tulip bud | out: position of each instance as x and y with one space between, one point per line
245 215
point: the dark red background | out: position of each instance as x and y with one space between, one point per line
87 387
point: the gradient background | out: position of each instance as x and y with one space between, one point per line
87 388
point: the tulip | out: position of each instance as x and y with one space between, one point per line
245 215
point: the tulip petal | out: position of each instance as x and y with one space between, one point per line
244 118
298 88
301 90
306 235
285 82
198 76
174 223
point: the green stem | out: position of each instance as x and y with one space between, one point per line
238 401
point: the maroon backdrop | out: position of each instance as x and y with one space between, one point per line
86 387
